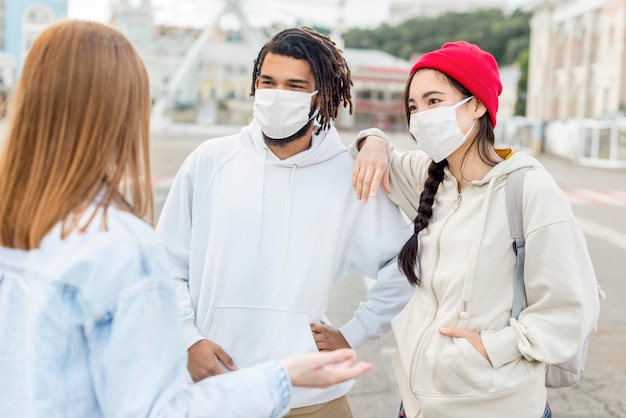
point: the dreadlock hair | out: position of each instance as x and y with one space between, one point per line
407 259
329 67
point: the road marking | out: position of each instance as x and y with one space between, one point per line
596 197
598 231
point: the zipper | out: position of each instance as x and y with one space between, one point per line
427 328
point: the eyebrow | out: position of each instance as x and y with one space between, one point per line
426 95
430 93
290 80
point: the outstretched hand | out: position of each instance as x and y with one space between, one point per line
371 168
321 370
328 338
204 358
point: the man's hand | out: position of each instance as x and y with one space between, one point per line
328 338
204 358
471 336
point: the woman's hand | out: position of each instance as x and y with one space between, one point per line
471 336
321 370
371 167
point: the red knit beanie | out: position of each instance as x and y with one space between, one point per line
474 68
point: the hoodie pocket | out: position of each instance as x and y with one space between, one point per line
251 334
453 367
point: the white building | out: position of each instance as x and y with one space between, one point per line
576 93
577 66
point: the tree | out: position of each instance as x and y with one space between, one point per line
522 84
505 36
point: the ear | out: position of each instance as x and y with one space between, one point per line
479 108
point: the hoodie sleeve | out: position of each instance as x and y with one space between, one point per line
407 172
174 229
561 288
382 231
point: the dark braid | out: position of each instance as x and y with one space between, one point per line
332 75
407 260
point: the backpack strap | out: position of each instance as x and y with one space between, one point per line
513 191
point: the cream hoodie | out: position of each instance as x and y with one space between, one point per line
467 272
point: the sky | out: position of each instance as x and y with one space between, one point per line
199 13
358 13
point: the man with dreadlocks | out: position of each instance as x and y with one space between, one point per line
260 226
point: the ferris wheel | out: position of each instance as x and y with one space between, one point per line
243 16
200 13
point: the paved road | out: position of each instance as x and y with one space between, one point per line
599 201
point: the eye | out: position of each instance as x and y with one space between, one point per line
412 108
433 101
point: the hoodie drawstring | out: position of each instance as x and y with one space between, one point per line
476 245
290 199
260 216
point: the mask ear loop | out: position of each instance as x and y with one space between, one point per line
317 109
462 102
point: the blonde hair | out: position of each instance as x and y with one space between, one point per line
78 133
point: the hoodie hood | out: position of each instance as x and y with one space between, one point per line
514 162
324 146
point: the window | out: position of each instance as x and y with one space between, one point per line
39 15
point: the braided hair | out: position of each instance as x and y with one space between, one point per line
407 259
329 67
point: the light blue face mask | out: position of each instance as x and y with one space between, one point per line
437 130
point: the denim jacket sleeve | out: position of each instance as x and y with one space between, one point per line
138 361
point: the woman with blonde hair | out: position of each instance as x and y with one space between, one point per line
88 319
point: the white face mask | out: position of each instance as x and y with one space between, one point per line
437 131
282 113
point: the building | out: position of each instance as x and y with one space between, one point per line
7 63
22 21
403 10
202 77
576 93
378 85
577 66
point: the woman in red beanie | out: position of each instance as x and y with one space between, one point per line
460 352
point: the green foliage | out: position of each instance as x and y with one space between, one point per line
522 84
505 36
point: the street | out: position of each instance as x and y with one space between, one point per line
598 198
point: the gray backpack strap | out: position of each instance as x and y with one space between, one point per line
513 191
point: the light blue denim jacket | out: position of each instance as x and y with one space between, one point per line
89 327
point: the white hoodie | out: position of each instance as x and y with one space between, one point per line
257 244
467 271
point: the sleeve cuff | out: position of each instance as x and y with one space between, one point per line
353 149
280 387
501 346
191 335
355 334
